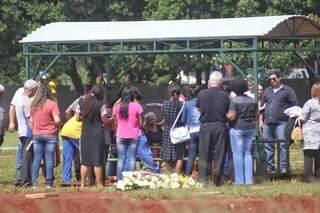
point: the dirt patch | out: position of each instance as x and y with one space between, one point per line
117 202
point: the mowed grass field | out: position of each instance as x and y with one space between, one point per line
292 185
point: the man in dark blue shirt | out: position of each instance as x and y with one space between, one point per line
278 98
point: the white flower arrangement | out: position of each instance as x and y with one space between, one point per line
147 180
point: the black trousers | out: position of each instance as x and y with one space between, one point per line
311 161
228 161
26 164
1 140
212 142
77 165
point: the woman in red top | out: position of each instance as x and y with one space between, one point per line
44 122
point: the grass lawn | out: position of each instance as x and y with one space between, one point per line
292 185
10 139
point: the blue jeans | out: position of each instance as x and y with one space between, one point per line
192 152
275 131
111 166
126 152
43 145
144 153
241 142
70 146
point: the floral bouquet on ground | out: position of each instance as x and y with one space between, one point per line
148 180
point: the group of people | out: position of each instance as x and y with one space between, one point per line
221 121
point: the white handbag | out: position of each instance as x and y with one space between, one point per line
179 134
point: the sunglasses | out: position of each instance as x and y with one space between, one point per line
272 79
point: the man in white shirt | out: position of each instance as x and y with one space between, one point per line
20 109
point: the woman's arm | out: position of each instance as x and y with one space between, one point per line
305 114
141 121
56 114
232 113
184 114
161 122
106 115
57 119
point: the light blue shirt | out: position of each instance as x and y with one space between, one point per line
190 114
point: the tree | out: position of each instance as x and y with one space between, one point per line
19 17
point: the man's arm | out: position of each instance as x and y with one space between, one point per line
232 110
12 118
70 111
293 100
2 124
12 109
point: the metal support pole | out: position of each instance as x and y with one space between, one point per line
56 47
154 45
52 62
257 134
88 47
26 61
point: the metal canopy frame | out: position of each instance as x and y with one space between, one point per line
224 46
221 46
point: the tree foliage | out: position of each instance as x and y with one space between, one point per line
20 17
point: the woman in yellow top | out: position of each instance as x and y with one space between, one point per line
70 134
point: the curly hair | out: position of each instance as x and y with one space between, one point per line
42 94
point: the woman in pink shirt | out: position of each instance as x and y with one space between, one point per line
44 122
128 117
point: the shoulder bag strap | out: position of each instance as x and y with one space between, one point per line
297 123
174 123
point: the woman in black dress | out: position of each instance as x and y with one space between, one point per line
92 135
171 153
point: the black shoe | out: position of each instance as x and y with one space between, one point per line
65 184
17 184
271 170
310 179
27 185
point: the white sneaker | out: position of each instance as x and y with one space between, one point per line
120 185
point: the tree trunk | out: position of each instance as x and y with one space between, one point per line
96 68
74 75
198 76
